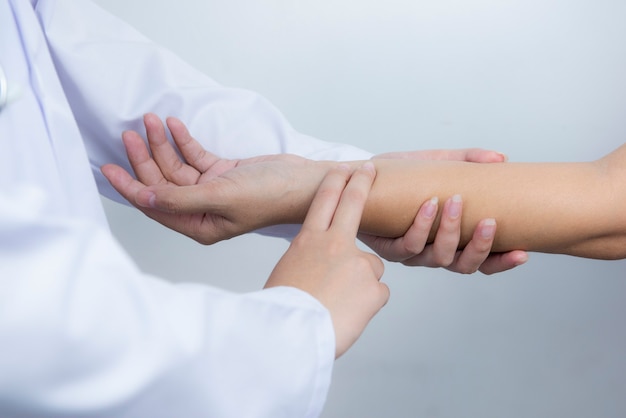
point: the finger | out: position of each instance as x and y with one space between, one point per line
477 250
191 150
476 155
324 204
129 188
214 196
376 264
449 232
122 181
416 237
384 294
165 155
143 165
347 218
497 263
414 240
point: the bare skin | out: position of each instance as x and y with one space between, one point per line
235 192
323 258
568 208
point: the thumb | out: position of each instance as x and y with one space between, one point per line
479 155
211 197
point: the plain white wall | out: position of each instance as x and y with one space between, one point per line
538 80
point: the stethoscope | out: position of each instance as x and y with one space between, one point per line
4 89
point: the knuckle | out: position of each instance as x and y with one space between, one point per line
370 265
414 247
480 247
466 270
203 240
379 266
363 263
300 240
196 235
443 260
198 156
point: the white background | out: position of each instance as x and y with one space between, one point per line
538 80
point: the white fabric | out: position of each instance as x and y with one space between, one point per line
82 331
113 75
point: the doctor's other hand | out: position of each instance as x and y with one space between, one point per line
206 197
412 249
324 261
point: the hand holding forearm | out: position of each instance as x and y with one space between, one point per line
417 247
212 199
569 208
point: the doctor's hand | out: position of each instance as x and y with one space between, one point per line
324 261
412 249
206 197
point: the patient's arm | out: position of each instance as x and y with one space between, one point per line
570 208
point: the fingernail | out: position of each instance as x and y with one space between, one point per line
430 208
151 200
454 210
146 199
521 260
488 228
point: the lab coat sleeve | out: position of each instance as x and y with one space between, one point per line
84 333
112 75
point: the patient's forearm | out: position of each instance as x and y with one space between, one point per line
569 208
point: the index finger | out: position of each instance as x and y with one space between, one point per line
347 218
327 197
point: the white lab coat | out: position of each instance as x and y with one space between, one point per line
82 331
